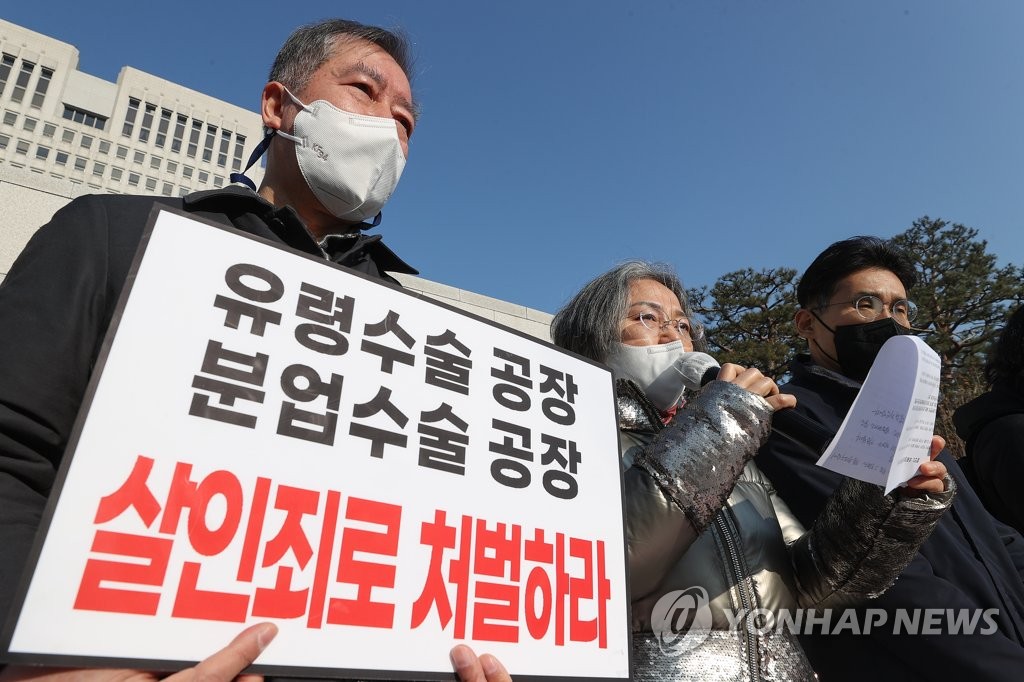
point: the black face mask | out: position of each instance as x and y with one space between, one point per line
857 345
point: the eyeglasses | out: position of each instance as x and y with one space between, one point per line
870 307
687 329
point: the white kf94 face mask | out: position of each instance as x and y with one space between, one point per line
351 162
655 369
663 372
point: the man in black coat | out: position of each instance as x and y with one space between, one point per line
852 298
338 110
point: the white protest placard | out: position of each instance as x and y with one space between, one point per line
887 433
272 437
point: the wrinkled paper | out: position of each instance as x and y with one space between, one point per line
888 431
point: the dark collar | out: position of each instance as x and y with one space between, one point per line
804 369
343 249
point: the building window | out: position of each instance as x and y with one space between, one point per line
84 117
122 152
129 117
193 140
154 162
225 146
21 84
86 142
179 133
167 189
104 147
80 163
61 158
139 157
29 124
4 141
116 173
150 184
10 117
133 179
6 64
98 168
49 129
161 133
211 135
147 122
172 167
42 153
68 136
186 172
204 177
42 85
236 164
22 147
218 181
182 191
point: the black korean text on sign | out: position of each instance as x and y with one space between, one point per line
560 390
446 369
379 437
510 469
329 319
229 375
442 448
303 384
388 355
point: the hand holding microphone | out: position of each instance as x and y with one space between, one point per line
698 369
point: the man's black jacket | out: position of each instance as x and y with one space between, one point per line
970 562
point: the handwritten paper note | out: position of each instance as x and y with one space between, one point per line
888 431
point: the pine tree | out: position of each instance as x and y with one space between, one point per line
962 298
749 318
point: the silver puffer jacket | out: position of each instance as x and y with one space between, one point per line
706 531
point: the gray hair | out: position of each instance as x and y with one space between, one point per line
589 323
308 47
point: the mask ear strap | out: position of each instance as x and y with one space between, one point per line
822 322
835 360
261 149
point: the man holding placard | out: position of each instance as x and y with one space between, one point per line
959 606
339 111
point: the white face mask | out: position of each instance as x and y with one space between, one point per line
655 369
351 162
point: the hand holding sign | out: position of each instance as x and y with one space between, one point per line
471 668
887 434
229 662
223 666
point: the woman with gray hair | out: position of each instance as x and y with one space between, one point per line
715 557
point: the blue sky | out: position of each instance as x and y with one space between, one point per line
560 137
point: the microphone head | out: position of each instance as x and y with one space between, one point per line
697 369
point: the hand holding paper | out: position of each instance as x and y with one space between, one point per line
887 434
931 476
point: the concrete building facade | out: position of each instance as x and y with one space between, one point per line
140 134
64 133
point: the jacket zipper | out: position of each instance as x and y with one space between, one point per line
723 521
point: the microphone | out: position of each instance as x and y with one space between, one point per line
698 369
